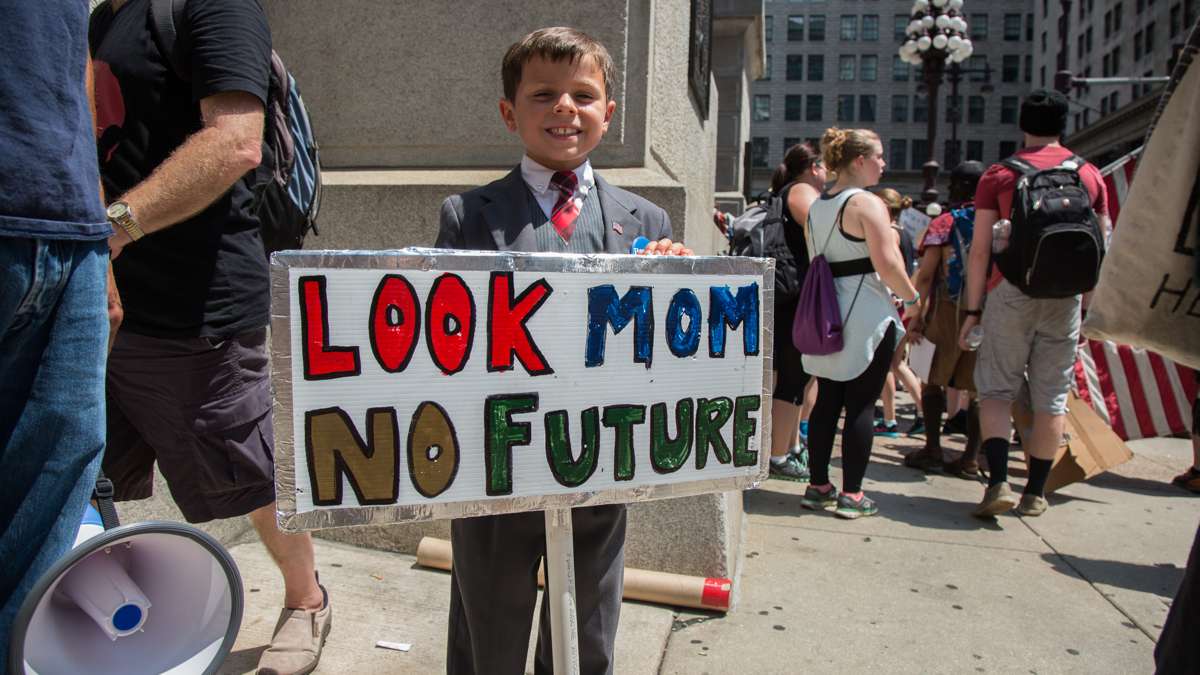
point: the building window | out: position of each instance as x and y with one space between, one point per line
1008 109
1029 68
1116 61
846 67
1082 10
866 108
1079 48
979 64
1088 41
1010 68
976 110
1045 8
1137 46
954 109
793 107
1029 28
1007 149
899 26
1105 70
762 108
920 112
870 27
1117 17
1189 12
767 70
868 68
1044 42
759 149
899 107
769 27
1150 38
1107 24
849 27
1012 27
979 27
1114 100
1139 6
789 142
899 69
898 153
1176 20
975 151
920 153
795 28
816 27
1042 76
1104 106
795 66
814 106
953 153
816 67
845 109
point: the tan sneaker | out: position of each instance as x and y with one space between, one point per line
297 641
1032 505
998 499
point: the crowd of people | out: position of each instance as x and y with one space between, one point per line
1018 347
109 153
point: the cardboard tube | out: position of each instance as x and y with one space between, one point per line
664 588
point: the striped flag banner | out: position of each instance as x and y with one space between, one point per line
1138 393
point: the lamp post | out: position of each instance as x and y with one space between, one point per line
937 35
954 75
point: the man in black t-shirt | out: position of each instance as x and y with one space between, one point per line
188 381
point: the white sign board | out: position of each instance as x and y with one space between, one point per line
424 384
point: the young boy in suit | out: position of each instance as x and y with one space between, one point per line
556 98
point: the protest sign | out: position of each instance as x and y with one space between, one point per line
422 384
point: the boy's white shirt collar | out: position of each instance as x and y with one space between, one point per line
537 177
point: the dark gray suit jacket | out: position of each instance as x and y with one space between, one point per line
496 217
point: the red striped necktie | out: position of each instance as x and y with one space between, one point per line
565 209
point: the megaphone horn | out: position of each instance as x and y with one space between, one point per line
152 597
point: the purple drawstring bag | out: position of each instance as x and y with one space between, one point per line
817 326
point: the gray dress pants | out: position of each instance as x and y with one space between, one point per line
493 589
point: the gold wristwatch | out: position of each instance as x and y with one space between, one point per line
121 216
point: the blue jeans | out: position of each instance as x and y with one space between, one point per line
53 334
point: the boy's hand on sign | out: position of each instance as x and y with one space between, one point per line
665 246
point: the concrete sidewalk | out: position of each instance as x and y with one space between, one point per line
921 588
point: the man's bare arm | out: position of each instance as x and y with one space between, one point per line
208 163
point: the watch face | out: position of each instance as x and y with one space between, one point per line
118 210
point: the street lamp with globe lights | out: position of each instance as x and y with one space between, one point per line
937 34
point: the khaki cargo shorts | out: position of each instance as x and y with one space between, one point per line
1024 336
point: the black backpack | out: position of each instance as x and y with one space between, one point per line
758 233
1056 244
287 185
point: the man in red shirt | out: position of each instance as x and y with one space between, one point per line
1024 337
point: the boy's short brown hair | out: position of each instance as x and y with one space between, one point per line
555 44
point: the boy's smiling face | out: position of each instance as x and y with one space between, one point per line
560 111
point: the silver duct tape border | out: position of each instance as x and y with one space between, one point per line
430 260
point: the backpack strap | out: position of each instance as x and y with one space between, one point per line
168 20
1022 167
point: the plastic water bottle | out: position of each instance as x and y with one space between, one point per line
974 337
1000 233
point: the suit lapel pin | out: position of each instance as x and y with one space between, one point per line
618 229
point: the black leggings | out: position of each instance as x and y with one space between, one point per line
858 398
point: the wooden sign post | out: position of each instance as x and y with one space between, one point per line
421 384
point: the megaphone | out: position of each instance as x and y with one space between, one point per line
153 597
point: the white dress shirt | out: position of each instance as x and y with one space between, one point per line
537 177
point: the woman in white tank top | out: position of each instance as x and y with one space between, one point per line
851 227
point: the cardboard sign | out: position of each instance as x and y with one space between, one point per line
1089 449
424 384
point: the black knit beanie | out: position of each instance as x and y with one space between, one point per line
1044 113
